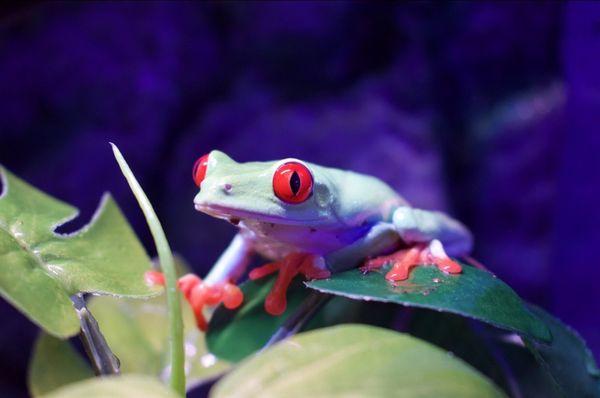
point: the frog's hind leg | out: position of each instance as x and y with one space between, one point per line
404 260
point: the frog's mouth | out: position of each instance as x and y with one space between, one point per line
234 216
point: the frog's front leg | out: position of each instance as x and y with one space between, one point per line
430 235
219 285
311 266
381 238
233 262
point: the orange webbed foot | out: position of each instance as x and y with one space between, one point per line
309 265
200 295
403 261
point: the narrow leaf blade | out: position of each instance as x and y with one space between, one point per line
167 264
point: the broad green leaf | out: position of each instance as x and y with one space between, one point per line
136 331
40 269
354 361
566 359
54 364
473 293
457 334
529 379
115 387
233 335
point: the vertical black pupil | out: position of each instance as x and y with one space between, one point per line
295 183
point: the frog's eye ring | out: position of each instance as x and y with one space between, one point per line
292 182
199 170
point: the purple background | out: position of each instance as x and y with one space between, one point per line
489 111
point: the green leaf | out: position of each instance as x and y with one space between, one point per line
473 293
40 269
115 387
235 334
529 379
456 334
54 364
566 359
354 360
136 331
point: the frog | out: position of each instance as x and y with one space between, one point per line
314 221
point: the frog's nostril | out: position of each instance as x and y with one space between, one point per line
226 188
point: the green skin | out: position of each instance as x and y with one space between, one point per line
349 217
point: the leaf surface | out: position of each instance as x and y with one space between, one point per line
354 361
136 331
235 334
474 293
126 386
567 359
40 269
54 364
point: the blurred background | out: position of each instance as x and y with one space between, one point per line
486 110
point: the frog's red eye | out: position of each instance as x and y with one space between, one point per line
292 182
199 170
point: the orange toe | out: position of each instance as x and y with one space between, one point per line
403 263
186 283
263 271
447 265
154 278
232 296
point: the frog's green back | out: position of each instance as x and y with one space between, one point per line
358 197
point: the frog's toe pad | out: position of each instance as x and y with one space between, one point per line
202 295
309 265
403 261
154 278
199 294
435 253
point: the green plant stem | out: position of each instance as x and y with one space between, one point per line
177 377
103 360
309 307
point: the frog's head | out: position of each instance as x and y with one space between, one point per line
288 191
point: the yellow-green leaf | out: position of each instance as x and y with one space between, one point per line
115 387
354 361
54 364
40 269
136 331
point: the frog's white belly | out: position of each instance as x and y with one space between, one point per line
275 241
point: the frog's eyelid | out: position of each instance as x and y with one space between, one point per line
293 160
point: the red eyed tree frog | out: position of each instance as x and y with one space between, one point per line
312 220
